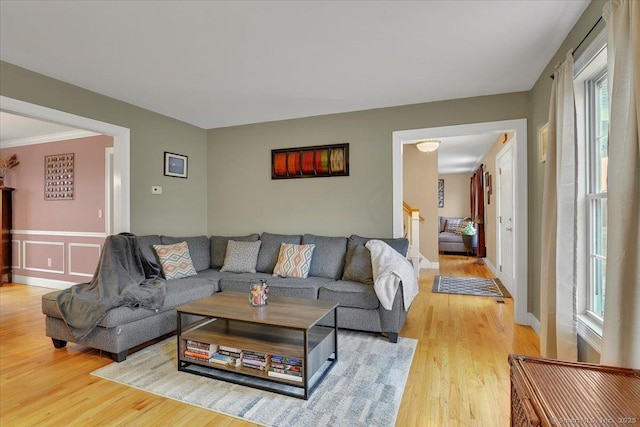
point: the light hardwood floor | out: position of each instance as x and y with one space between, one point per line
459 375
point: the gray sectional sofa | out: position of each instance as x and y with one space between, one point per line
340 271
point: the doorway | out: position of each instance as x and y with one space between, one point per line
520 237
505 220
120 202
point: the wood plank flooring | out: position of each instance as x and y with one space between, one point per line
459 375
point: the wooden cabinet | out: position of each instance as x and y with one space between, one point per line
547 392
5 247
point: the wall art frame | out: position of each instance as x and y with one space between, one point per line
543 138
310 162
176 165
441 193
59 177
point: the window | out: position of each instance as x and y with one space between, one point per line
597 115
592 115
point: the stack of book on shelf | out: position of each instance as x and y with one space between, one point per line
201 351
254 360
287 368
228 356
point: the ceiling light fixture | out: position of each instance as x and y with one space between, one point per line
427 145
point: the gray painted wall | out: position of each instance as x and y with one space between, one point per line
243 198
182 208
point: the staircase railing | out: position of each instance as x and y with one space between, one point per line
412 219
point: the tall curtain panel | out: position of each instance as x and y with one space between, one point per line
558 338
621 336
477 208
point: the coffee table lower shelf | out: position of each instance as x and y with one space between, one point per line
316 347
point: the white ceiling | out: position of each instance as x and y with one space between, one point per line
223 63
462 154
15 128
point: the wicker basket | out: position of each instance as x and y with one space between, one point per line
547 392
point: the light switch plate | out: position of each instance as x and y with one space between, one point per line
156 189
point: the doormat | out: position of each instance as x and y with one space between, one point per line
478 286
364 388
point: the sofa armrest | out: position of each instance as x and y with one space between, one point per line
392 320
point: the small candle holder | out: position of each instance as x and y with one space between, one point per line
258 294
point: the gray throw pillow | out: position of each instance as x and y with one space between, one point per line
241 257
357 266
328 256
219 247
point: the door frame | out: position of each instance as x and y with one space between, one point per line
519 128
501 153
121 146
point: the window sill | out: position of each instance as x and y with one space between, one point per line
590 331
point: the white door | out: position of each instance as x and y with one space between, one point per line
505 220
108 202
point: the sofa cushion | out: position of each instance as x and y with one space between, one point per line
178 292
145 243
219 247
358 264
198 248
294 260
400 244
241 282
449 237
270 250
175 260
350 294
241 257
328 256
295 287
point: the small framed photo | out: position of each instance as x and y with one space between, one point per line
175 165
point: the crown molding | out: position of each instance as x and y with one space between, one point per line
41 139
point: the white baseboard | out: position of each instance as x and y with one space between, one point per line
425 263
43 283
534 322
491 267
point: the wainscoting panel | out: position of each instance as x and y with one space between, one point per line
46 258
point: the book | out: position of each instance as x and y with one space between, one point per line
224 359
229 349
204 346
285 376
197 355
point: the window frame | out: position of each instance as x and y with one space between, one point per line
591 63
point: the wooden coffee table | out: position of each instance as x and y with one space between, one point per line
285 327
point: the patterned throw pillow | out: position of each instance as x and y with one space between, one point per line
294 260
175 260
241 257
454 226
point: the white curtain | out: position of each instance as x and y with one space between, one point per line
621 336
558 338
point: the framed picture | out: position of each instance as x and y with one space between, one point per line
175 165
543 137
441 193
59 177
310 162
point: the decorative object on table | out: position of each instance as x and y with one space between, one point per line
258 294
59 177
468 233
310 162
478 286
175 165
441 193
7 163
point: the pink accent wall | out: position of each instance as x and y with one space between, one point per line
32 212
52 245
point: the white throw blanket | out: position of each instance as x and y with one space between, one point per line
389 269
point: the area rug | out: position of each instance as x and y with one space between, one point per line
364 388
478 286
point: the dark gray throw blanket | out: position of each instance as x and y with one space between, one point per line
124 277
